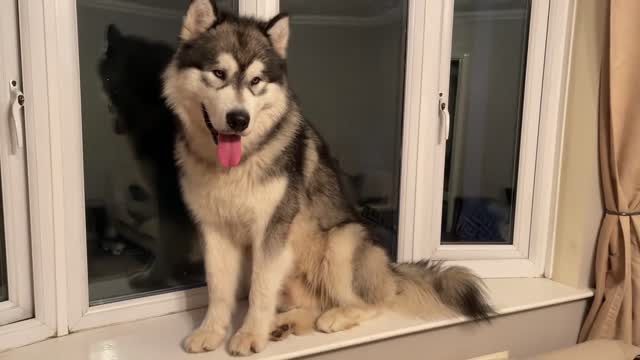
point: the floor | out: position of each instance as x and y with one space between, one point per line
160 338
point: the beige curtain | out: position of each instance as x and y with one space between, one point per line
616 306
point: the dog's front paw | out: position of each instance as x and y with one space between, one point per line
203 339
245 343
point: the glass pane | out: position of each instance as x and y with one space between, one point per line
4 291
346 63
140 239
485 102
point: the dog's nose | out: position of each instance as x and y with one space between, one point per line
238 120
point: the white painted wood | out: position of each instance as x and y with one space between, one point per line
268 8
160 338
443 58
13 179
142 308
553 113
23 333
416 30
248 7
35 43
66 119
261 9
418 222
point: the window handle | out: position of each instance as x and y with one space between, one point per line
17 102
444 118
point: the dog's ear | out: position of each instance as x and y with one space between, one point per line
278 32
200 16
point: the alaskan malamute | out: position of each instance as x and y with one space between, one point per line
259 182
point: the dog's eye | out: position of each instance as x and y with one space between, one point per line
219 74
255 81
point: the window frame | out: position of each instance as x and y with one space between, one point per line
13 176
43 171
49 37
540 151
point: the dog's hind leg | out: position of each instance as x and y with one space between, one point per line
357 278
298 321
345 317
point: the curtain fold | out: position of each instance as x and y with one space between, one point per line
615 309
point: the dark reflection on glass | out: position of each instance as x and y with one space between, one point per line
346 61
130 71
4 290
140 237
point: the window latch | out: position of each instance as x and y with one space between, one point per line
17 102
444 118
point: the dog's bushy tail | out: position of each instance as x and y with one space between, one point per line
426 284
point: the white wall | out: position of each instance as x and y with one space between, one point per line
580 202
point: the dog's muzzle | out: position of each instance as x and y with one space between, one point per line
209 125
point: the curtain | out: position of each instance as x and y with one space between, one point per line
614 312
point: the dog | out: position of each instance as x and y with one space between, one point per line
130 71
262 186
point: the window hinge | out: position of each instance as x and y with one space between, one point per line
17 102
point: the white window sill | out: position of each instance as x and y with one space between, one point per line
160 338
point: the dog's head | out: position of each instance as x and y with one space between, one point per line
228 77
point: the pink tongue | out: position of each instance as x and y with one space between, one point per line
229 150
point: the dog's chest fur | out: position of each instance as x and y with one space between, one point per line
232 201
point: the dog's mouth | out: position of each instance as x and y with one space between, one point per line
229 145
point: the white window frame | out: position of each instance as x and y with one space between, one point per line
43 171
51 77
540 147
13 177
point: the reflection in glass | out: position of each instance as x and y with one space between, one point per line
346 62
485 104
140 239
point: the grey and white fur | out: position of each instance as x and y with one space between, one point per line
280 211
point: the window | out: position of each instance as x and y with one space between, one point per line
89 215
474 170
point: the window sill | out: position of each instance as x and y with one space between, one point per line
160 338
